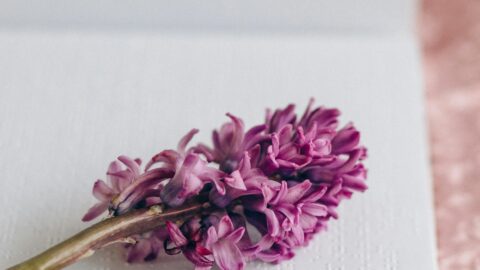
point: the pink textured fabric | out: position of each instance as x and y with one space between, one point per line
450 32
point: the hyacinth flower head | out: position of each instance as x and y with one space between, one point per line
284 177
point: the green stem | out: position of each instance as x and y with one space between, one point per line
108 231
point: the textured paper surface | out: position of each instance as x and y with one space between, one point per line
70 103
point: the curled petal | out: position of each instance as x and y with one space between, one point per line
228 256
176 235
219 186
265 243
314 209
307 112
273 225
186 139
346 139
204 150
224 227
237 137
282 192
136 191
322 117
280 118
254 136
212 237
236 181
95 211
131 164
296 192
298 235
102 191
308 223
168 157
198 258
184 184
115 182
316 195
236 235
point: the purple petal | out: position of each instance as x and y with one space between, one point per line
236 181
168 157
245 164
236 235
124 174
285 134
205 150
199 260
308 222
131 164
254 136
345 140
186 139
102 191
150 201
307 112
354 182
183 184
264 243
219 186
298 235
238 131
176 235
314 209
273 225
295 193
289 211
280 194
324 118
134 192
280 118
350 163
115 166
316 195
228 256
95 211
212 237
225 226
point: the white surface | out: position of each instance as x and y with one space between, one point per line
71 102
351 16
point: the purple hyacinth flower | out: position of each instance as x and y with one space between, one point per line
277 120
126 187
147 247
291 217
230 142
244 181
189 179
191 172
284 178
222 241
118 179
285 155
323 118
189 240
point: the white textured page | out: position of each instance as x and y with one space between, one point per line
71 103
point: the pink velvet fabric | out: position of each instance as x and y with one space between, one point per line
450 34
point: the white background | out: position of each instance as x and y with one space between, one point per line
74 96
319 16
